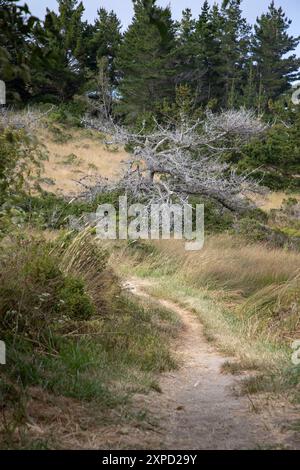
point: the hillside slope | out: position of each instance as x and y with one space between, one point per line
74 153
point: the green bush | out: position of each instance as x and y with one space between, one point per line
254 231
74 302
35 293
19 154
275 155
69 114
216 218
71 331
50 211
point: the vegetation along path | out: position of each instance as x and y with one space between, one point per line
199 407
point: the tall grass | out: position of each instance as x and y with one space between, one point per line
225 262
71 331
246 295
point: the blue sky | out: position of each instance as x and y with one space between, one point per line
123 8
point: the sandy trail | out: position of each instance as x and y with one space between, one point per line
198 408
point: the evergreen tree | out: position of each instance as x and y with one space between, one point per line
277 154
146 78
235 47
184 54
271 44
62 65
187 26
208 39
17 49
249 99
198 58
105 41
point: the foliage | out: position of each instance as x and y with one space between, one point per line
276 156
216 218
143 55
59 339
19 156
17 51
46 210
104 42
254 231
271 43
234 49
215 55
61 69
35 293
69 114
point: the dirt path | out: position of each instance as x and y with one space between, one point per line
198 408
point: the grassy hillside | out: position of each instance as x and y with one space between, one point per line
75 153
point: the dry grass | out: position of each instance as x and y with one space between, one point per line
93 157
225 263
272 200
28 119
246 296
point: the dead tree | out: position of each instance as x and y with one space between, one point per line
174 162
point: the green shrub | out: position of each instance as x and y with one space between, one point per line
254 231
275 155
74 302
19 154
70 330
216 218
35 293
50 211
69 114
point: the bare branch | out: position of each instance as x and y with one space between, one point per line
174 162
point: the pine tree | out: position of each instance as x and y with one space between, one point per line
276 156
143 63
187 26
235 45
62 65
208 38
198 58
184 54
105 41
17 49
271 44
249 99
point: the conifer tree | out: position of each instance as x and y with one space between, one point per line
235 46
17 49
276 70
105 41
62 65
184 54
146 78
208 38
198 58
